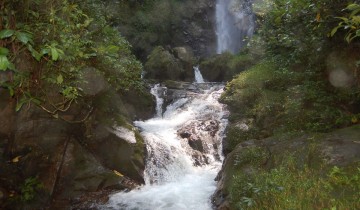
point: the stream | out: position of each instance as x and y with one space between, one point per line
183 152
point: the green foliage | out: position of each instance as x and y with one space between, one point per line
288 187
62 39
289 91
29 189
351 23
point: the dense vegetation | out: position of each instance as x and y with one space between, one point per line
307 80
62 46
298 74
63 67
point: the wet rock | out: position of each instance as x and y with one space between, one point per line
196 144
200 138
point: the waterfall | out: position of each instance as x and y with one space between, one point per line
198 77
234 22
158 92
183 154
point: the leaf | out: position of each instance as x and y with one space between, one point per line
59 79
112 49
34 53
353 7
56 116
16 159
54 54
4 63
334 30
45 51
343 18
20 104
118 173
6 33
11 91
4 51
36 101
24 37
355 12
348 38
354 120
318 17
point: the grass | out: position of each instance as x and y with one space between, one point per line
288 187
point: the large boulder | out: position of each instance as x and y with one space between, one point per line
217 68
172 64
162 65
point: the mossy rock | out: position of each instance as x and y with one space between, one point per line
225 66
163 65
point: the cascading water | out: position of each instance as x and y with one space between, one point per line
184 154
198 77
158 92
234 22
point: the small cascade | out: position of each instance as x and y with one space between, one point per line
183 154
158 92
198 77
234 22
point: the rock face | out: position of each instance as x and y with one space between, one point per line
338 148
166 23
89 148
173 64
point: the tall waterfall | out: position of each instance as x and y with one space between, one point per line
234 22
183 154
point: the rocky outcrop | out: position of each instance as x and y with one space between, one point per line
318 151
54 160
173 64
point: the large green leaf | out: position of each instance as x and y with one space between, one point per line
353 7
334 30
24 37
6 33
4 63
54 54
4 51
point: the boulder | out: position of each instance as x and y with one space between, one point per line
216 68
172 64
163 65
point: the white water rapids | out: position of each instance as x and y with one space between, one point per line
177 176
